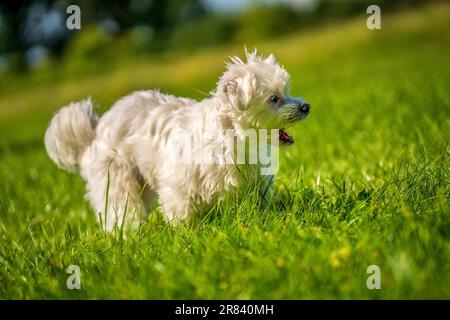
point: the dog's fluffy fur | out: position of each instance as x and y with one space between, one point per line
132 153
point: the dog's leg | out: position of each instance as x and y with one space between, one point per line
266 189
113 188
176 206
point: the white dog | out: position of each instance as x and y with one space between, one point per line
130 157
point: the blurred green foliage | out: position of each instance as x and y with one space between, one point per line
140 27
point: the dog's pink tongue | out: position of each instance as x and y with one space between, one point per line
285 138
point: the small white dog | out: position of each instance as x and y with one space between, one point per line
130 157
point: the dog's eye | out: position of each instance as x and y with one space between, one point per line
274 99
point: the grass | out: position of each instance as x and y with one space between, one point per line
367 182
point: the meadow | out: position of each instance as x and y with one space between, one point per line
366 183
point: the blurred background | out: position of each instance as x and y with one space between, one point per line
34 36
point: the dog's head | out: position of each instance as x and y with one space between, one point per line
257 93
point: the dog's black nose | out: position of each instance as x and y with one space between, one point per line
304 107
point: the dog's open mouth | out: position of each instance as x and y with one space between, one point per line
285 138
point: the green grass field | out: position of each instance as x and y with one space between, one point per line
367 182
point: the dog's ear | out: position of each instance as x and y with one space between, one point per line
233 94
238 91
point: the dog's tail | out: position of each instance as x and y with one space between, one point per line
70 132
